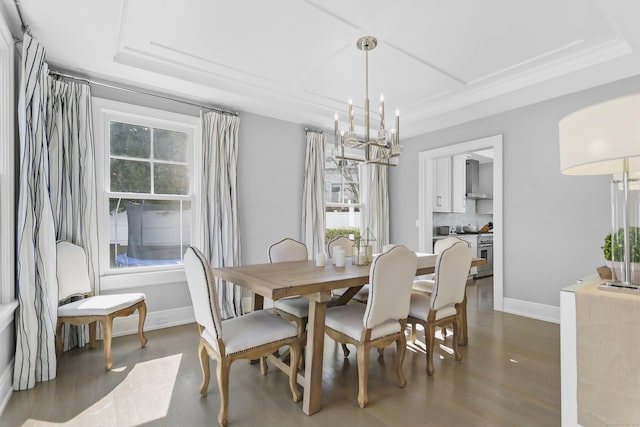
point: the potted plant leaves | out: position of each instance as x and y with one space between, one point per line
613 250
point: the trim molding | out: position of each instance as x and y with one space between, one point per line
534 310
6 386
6 314
155 320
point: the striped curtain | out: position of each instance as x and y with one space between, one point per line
37 285
379 204
313 209
219 206
72 179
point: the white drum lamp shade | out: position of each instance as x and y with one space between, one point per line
596 140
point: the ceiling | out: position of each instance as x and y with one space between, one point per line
441 62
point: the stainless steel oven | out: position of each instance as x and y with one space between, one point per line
485 250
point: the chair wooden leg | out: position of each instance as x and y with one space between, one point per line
401 347
107 327
204 366
263 366
464 336
412 337
92 334
456 335
59 339
345 350
222 372
430 339
142 315
362 353
293 371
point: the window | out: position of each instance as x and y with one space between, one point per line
147 178
343 195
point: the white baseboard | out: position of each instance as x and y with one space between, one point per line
6 386
534 310
155 320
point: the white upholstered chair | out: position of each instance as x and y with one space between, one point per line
347 245
73 280
426 285
294 309
251 336
443 305
383 319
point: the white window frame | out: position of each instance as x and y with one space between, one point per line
105 111
363 175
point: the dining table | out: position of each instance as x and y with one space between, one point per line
304 278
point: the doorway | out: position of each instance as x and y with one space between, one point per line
425 193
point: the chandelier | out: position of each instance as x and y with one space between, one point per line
383 149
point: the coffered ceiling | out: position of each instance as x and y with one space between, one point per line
441 62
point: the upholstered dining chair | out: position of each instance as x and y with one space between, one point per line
442 306
251 336
383 319
347 244
426 285
294 309
73 280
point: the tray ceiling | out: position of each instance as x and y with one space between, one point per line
440 62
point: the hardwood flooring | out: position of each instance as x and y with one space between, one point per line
509 376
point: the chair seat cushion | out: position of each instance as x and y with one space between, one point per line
347 319
296 306
252 330
419 308
361 295
99 305
423 285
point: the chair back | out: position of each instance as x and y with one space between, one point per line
343 241
452 269
442 244
72 270
391 277
287 250
203 292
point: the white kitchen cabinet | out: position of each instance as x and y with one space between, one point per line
459 184
449 177
442 185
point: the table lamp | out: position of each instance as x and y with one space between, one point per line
605 139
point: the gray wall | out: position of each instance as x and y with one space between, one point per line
554 225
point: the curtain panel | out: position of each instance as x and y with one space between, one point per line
313 204
73 191
37 285
219 204
379 204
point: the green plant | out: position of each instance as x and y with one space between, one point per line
332 233
614 245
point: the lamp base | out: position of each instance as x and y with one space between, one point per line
619 285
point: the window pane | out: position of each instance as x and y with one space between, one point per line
342 181
148 232
171 179
130 140
170 145
130 176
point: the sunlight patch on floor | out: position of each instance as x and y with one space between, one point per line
143 396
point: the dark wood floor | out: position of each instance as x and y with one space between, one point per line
509 376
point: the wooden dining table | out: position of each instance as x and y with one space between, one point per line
303 278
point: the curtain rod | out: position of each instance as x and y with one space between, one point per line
25 28
141 91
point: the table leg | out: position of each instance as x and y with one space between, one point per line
312 400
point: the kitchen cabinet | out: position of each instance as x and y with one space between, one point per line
449 184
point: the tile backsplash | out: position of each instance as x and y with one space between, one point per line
461 219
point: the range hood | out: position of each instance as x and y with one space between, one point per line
473 181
